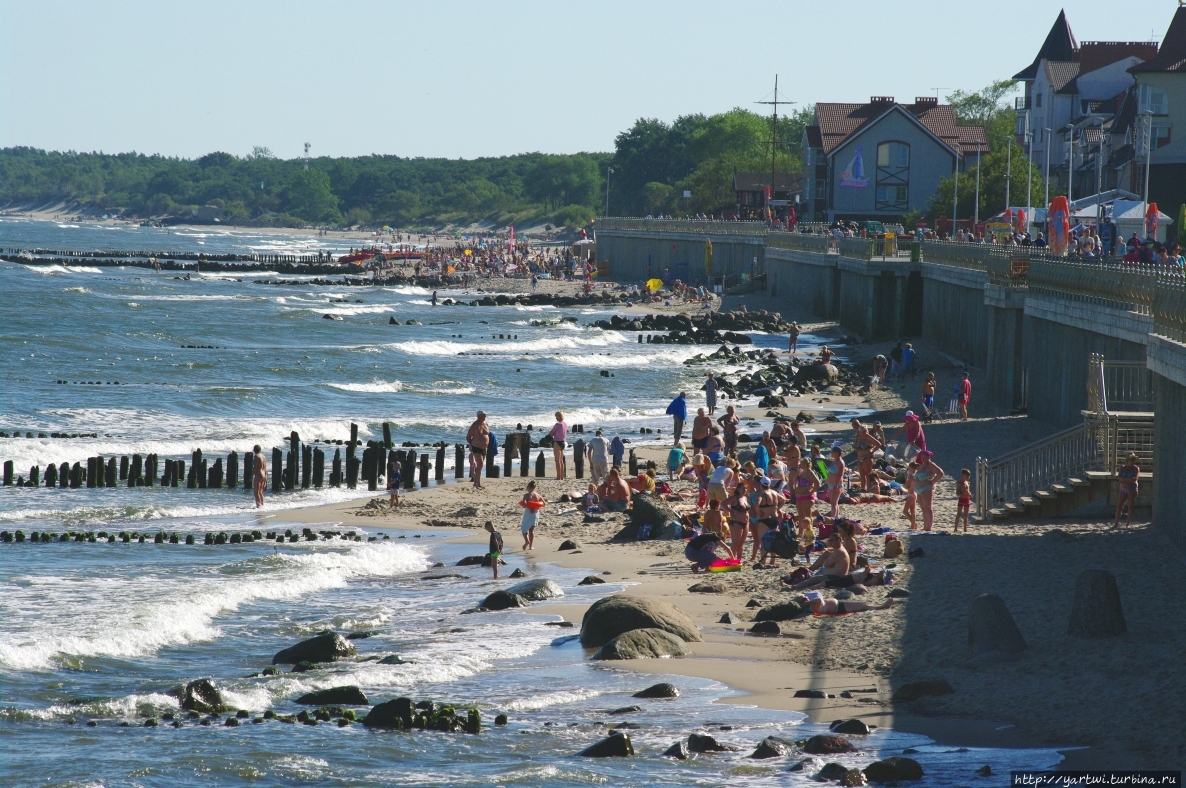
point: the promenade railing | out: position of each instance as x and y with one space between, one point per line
681 226
803 242
1169 306
1127 286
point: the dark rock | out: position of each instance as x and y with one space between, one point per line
663 690
727 618
853 777
472 560
231 722
626 710
203 697
616 745
893 770
654 513
815 373
898 593
810 694
326 647
591 580
991 627
561 624
393 715
917 552
773 747
350 696
678 750
784 611
753 603
641 644
706 588
917 689
500 719
826 744
1096 612
304 667
394 659
702 742
611 616
536 590
832 771
850 726
518 573
985 771
568 544
501 600
766 628
370 633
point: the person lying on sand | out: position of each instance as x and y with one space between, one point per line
853 498
866 577
835 607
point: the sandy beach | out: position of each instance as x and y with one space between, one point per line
1103 700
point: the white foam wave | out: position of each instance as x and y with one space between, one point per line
62 269
551 699
76 290
501 347
174 609
374 387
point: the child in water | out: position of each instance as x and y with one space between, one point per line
495 547
532 502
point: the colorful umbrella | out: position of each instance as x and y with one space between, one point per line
1151 221
654 285
1060 228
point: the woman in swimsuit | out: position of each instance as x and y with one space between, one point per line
805 485
769 511
791 453
752 496
729 424
259 474
559 444
835 480
714 447
776 471
1129 477
925 479
737 508
908 509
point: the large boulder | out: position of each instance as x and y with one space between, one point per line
849 726
816 373
616 745
702 742
659 519
537 590
916 689
501 600
643 644
773 747
891 770
203 697
612 615
679 750
394 715
784 611
335 696
1096 612
326 647
663 690
991 628
825 744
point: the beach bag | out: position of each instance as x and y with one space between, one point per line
893 548
644 532
799 575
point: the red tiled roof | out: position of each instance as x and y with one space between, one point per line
1097 54
838 122
1172 55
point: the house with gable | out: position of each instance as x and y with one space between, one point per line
882 159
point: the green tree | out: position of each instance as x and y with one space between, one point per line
308 195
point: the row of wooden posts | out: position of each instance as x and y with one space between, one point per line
303 466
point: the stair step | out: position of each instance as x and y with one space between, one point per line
1102 476
1014 509
998 514
1028 501
1079 482
1062 489
1045 494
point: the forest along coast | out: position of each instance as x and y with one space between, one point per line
892 670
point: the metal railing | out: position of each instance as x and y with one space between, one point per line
1126 286
1051 460
803 242
1169 306
1011 270
681 226
1118 386
1128 435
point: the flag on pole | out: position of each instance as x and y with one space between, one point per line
1151 222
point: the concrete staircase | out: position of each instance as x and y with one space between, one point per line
1057 499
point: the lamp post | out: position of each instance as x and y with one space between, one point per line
1029 178
1148 152
955 191
609 171
1008 168
976 204
1046 177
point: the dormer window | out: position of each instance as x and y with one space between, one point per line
1152 101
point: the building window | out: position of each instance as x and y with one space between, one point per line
893 176
1152 100
1161 136
1038 100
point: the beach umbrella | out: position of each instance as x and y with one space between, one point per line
1151 221
708 257
1059 224
654 285
1021 220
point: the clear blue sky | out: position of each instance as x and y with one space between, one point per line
467 79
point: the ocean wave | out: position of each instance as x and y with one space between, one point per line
396 386
551 699
75 290
503 347
175 610
61 269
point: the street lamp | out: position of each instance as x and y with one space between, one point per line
1029 177
1046 177
955 191
1148 152
608 172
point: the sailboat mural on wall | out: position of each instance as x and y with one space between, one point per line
853 176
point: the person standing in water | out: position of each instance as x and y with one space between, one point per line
559 444
478 439
434 297
710 396
793 340
495 547
259 474
678 411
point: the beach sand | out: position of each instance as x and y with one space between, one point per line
1104 700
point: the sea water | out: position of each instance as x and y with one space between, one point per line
97 632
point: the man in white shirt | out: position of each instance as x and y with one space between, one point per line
598 452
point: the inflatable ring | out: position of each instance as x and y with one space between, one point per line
725 565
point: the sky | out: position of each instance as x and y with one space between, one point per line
461 79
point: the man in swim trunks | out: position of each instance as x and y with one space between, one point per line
866 577
615 493
478 439
964 396
259 474
598 451
701 425
928 396
834 561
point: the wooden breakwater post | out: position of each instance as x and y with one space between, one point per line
8 470
277 469
539 466
409 471
370 466
35 476
306 466
76 476
112 473
578 458
491 461
51 476
135 471
215 475
509 447
232 470
524 453
351 461
318 468
294 453
633 464
335 474
439 469
387 435
123 468
150 470
64 475
424 470
459 461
